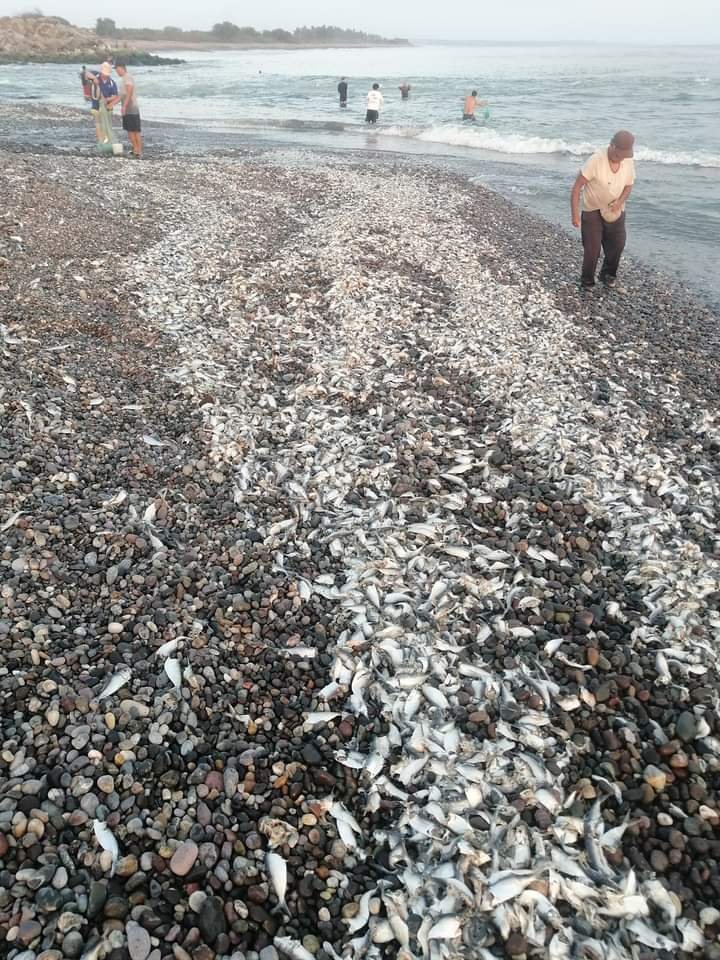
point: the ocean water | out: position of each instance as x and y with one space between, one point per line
550 107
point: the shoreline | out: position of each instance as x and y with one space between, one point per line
173 137
152 45
347 432
145 52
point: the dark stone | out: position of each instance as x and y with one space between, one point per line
48 899
96 899
311 755
212 920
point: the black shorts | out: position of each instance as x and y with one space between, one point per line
131 122
372 116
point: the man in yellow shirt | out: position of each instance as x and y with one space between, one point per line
605 182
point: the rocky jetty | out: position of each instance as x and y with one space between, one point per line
359 580
38 39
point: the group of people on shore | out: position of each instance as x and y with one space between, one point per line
376 101
597 199
102 93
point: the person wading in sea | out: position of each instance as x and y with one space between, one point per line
605 182
470 106
404 89
86 85
375 101
342 90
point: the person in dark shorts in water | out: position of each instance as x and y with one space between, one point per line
343 90
375 101
470 106
404 89
130 110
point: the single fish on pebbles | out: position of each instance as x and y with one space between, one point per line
174 671
292 949
106 839
276 869
115 683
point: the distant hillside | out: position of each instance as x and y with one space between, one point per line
230 33
41 39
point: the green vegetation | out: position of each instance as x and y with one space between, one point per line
227 32
133 58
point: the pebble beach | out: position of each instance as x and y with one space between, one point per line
359 577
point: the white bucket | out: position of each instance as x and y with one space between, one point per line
117 149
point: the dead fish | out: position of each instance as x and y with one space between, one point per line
106 839
167 648
507 884
645 934
152 441
276 869
692 936
330 691
661 898
663 672
172 669
314 719
307 653
292 948
362 917
116 682
11 521
381 931
435 696
612 838
115 501
552 646
447 928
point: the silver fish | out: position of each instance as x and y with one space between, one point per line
172 669
116 682
276 869
292 949
106 839
167 648
11 521
447 928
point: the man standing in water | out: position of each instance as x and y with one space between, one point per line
606 182
404 89
342 90
130 110
471 105
375 103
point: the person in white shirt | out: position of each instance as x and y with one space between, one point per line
375 102
605 182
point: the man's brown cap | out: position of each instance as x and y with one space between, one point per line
623 142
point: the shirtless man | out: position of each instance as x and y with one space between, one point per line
605 182
471 105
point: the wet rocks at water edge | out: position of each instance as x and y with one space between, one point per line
342 611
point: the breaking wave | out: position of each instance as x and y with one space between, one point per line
487 138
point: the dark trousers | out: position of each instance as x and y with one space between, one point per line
598 234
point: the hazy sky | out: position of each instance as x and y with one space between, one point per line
633 21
